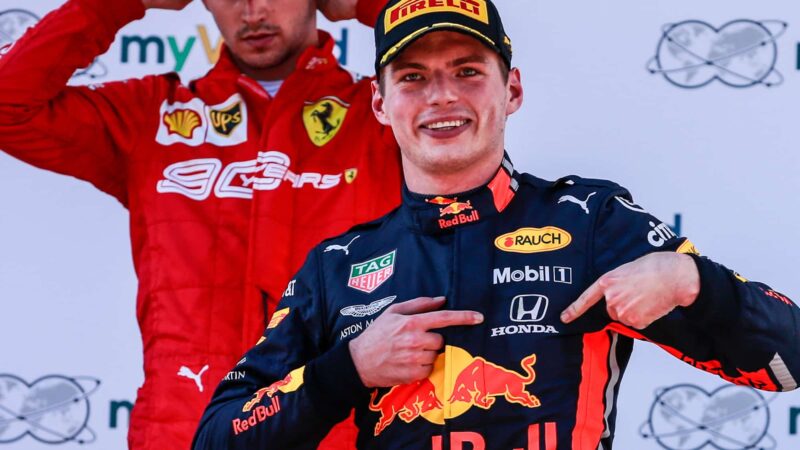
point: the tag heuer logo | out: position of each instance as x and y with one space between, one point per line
369 275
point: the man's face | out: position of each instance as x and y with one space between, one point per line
265 34
446 100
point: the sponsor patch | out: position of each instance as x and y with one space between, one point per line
182 122
323 119
277 318
191 122
555 274
350 175
688 248
292 382
533 240
225 121
369 275
407 10
367 310
659 234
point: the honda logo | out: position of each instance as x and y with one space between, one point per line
528 308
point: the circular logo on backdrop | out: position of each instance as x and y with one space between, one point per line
53 409
741 53
686 417
15 22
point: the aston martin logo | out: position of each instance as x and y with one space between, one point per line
324 118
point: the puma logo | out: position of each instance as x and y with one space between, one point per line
187 372
344 248
581 203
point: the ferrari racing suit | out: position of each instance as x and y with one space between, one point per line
519 250
217 175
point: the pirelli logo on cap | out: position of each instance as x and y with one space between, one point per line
409 9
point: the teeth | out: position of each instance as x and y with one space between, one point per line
448 124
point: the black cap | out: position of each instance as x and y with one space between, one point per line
402 22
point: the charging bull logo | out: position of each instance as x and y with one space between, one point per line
479 383
324 118
291 383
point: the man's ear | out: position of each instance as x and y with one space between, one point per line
515 94
377 104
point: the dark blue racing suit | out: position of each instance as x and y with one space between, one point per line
519 250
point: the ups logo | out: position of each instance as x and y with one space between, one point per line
225 121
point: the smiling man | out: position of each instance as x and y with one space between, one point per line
527 294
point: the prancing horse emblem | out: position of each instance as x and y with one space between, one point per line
323 119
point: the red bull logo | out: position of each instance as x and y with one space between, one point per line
418 398
291 383
454 208
439 200
260 414
478 383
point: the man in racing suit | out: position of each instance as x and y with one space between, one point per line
515 360
214 173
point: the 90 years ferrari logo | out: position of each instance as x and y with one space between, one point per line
324 118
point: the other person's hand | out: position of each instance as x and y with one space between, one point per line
642 291
165 4
335 10
399 348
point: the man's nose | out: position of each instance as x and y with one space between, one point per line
256 11
441 90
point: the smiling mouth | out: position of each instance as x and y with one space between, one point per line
445 125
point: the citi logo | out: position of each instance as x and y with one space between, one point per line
660 234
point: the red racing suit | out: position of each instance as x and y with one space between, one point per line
217 176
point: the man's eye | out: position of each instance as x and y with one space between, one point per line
468 72
411 77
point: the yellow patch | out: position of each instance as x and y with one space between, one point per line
533 240
182 122
323 119
260 340
409 9
350 175
689 248
277 318
225 121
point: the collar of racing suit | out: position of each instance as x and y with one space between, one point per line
434 214
318 58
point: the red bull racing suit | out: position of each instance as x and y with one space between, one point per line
218 176
519 250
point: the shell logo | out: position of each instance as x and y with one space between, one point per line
533 240
182 122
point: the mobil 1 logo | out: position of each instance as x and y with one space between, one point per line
547 274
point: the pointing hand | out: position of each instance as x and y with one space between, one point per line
399 348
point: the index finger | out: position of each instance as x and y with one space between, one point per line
587 299
447 318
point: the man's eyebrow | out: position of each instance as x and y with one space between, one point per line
400 65
467 60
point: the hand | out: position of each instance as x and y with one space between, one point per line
335 10
398 347
166 4
642 291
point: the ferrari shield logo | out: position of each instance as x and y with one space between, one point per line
350 175
324 118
